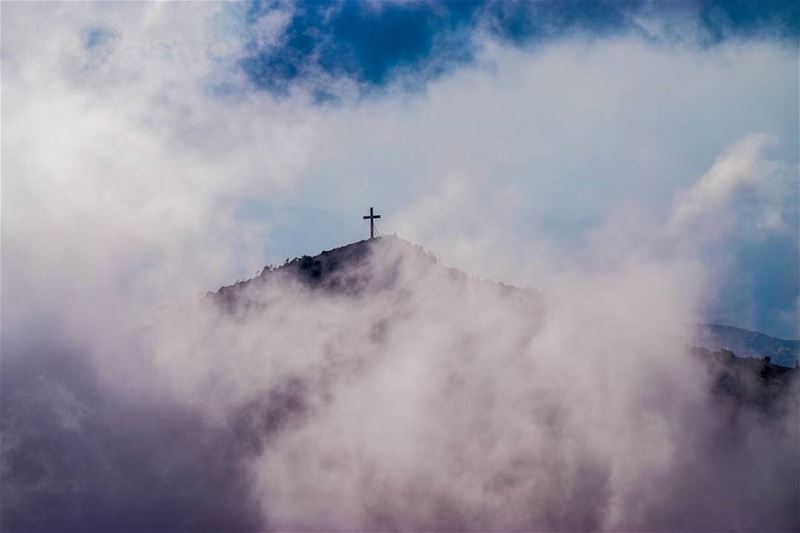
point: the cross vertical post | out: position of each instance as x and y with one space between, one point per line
372 216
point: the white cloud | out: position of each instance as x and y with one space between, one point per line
710 205
126 168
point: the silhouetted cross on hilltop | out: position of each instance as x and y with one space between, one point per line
371 218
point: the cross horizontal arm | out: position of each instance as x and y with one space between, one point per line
365 217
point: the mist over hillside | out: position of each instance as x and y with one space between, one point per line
628 169
372 388
334 272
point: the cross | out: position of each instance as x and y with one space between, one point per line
371 218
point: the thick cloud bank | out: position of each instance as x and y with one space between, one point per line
377 389
372 388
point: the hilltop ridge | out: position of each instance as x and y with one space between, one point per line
346 270
390 262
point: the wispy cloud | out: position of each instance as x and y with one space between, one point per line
137 151
740 170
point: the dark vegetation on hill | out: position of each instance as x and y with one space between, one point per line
345 271
756 383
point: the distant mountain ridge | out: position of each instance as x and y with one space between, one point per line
746 343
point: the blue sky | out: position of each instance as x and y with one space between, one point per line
371 42
516 140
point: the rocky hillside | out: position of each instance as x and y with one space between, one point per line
350 270
346 271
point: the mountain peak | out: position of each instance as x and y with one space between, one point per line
367 266
348 269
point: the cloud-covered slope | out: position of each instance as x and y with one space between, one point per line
372 388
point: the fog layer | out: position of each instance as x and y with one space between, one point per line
136 165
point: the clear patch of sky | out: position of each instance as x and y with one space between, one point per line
97 36
764 294
321 229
